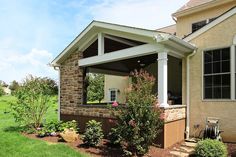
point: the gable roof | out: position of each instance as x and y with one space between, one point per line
215 22
168 29
193 3
194 6
133 33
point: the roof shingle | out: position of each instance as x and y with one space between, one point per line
193 3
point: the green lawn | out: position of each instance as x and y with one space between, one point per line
13 144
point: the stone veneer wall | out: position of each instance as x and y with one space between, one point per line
71 84
94 111
174 112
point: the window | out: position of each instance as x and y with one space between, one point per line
112 94
212 19
217 74
196 26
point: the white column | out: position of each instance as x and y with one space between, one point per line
100 44
162 79
232 69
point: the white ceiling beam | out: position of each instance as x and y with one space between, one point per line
132 52
108 72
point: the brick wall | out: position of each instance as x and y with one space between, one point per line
71 84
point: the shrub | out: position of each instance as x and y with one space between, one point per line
139 121
52 127
32 102
210 148
68 125
93 133
114 136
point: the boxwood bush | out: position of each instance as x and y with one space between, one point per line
210 148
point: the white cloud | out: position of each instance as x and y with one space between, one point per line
17 65
150 14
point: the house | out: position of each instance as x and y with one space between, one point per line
193 61
7 90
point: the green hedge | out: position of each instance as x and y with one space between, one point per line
211 148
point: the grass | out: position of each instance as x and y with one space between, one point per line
13 144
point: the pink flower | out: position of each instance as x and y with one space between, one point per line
112 121
132 123
115 104
38 128
162 116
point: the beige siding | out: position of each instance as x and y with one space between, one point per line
217 37
184 23
118 82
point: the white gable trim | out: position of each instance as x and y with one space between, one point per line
210 25
99 30
98 26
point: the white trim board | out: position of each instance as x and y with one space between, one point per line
210 25
132 52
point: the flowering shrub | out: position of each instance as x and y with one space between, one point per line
32 102
139 121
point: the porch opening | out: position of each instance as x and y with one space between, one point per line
116 77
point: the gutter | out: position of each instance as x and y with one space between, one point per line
188 95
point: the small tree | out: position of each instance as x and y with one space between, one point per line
32 101
139 121
96 87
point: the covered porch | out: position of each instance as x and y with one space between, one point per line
117 50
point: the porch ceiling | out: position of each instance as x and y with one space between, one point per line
124 67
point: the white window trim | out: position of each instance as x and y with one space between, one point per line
232 71
232 74
109 94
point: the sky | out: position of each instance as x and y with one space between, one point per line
34 32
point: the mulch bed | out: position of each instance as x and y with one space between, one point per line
106 150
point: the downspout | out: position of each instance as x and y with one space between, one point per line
188 94
59 92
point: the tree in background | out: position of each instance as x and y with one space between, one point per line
1 91
3 84
96 87
52 84
14 85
